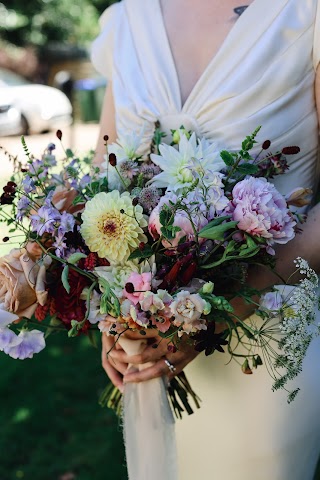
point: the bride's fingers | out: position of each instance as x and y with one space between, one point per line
115 376
179 360
149 354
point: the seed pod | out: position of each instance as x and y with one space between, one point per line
112 159
266 144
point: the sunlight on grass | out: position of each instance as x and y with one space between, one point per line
21 415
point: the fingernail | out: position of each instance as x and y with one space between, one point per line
121 388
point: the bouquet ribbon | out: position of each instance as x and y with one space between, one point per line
148 425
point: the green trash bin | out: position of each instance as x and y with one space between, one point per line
89 95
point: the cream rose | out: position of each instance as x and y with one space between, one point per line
187 309
22 283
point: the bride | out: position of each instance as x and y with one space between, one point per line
200 64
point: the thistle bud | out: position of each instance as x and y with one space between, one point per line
112 159
59 134
106 138
6 239
135 201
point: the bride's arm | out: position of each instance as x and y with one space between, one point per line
107 125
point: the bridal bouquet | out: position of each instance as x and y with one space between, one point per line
159 238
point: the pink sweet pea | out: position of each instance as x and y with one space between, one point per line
141 283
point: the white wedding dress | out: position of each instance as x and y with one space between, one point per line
263 74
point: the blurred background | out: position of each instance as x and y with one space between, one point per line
52 427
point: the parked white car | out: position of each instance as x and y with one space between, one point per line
41 108
10 117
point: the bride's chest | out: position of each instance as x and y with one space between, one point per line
195 36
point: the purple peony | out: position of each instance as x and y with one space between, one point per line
261 211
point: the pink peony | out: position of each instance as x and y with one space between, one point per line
141 283
261 210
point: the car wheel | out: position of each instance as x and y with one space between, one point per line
24 125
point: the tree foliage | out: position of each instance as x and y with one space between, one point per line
41 22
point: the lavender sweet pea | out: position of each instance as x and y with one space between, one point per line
19 346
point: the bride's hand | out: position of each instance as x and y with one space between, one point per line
113 368
157 356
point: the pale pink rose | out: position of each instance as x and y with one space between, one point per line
22 283
141 283
34 250
187 309
181 220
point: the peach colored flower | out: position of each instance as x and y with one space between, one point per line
299 197
62 199
22 283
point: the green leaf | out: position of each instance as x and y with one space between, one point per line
166 217
227 157
216 221
217 232
78 199
247 169
69 153
64 278
145 253
75 257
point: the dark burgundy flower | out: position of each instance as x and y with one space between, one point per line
69 306
209 341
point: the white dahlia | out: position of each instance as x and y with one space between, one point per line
112 226
181 167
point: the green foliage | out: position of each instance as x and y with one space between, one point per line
166 218
40 22
55 425
146 252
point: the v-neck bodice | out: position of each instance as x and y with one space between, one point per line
263 74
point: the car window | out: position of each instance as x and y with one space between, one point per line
11 79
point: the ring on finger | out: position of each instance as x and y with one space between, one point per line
171 367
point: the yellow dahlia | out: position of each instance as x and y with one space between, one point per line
112 226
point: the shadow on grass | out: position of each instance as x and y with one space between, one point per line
52 427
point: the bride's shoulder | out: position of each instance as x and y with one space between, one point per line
111 14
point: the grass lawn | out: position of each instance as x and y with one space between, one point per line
52 427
